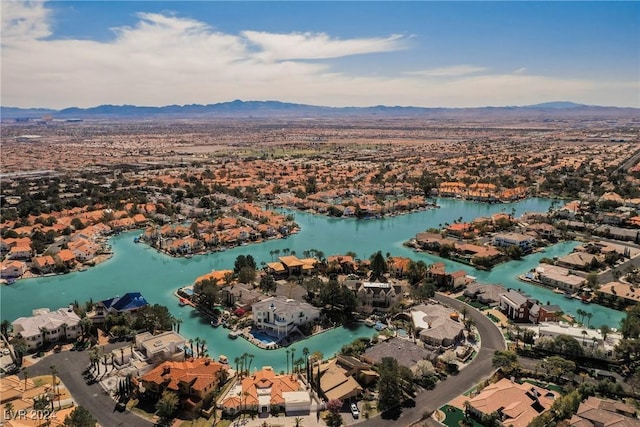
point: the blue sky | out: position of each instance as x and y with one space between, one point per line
452 54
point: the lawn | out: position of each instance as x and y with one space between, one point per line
454 416
548 386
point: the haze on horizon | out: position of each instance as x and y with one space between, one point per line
426 54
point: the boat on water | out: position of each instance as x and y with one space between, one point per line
558 291
233 334
11 281
369 323
136 239
215 322
568 295
182 302
223 359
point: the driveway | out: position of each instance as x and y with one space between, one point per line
477 370
94 398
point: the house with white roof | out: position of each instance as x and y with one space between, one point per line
47 326
377 296
590 339
281 315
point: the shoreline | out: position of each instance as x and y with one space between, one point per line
98 259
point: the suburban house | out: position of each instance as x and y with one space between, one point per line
620 291
128 303
195 381
11 269
158 348
437 325
20 252
597 412
65 257
47 326
265 391
518 306
240 295
516 404
336 383
281 315
406 352
377 296
559 277
578 260
590 339
522 241
291 265
43 264
488 294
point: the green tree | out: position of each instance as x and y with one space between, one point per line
506 360
80 417
247 275
167 405
389 390
378 266
556 366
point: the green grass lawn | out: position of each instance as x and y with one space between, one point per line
454 416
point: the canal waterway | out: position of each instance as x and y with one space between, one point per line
137 267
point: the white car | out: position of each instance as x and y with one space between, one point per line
354 410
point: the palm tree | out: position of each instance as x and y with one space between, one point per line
54 372
26 376
298 421
287 351
85 326
584 334
64 330
237 361
203 343
8 409
293 352
250 356
589 316
197 340
178 323
191 345
122 356
581 313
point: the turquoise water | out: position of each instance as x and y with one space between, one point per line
136 267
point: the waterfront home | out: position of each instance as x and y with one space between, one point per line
43 264
240 295
579 261
398 266
373 296
65 257
127 303
291 265
344 264
195 381
12 269
522 241
221 277
47 326
266 391
595 411
8 243
83 250
488 294
437 325
516 404
407 353
559 277
281 315
543 230
518 306
433 241
168 345
624 292
336 383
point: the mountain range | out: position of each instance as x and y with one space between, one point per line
266 109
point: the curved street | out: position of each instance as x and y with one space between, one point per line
478 369
94 398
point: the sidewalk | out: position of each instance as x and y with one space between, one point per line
306 421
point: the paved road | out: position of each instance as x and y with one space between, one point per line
480 368
94 398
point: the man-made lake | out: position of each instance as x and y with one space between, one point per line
137 267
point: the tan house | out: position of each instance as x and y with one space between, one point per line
195 381
43 264
11 269
516 404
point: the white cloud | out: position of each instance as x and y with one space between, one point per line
453 71
317 45
520 70
165 59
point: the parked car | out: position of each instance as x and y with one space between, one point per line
354 410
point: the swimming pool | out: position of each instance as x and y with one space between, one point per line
262 337
401 333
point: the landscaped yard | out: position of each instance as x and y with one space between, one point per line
203 422
454 416
548 386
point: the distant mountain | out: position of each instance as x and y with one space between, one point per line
263 109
